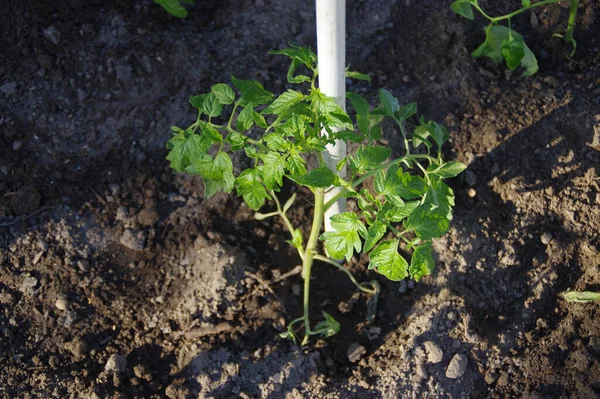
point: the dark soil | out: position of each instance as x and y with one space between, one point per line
117 280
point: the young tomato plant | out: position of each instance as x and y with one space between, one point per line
407 207
503 43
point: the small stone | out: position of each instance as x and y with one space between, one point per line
29 282
134 239
471 193
373 333
38 257
124 73
406 78
355 352
470 178
296 289
457 366
546 238
122 214
77 347
6 298
26 200
140 371
421 372
81 95
61 304
490 377
52 35
434 353
148 217
116 364
17 145
533 20
9 88
402 287
177 391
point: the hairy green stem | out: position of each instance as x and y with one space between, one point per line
350 275
309 255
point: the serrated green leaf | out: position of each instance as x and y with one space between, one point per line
297 240
185 147
342 242
369 157
296 164
216 173
273 171
439 197
438 132
302 54
420 135
400 183
245 120
211 106
173 7
406 111
496 35
513 51
236 140
361 107
223 93
525 3
328 108
357 75
328 327
389 102
252 92
386 259
250 186
449 169
251 152
210 132
427 223
318 178
346 135
259 120
197 101
463 7
283 102
422 263
275 142
398 213
582 296
374 234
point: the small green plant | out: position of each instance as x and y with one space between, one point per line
407 207
503 43
581 296
174 7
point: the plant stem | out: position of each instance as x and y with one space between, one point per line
517 12
309 254
350 275
571 25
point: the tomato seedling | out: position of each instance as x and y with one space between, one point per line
503 43
409 203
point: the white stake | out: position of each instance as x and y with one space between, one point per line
331 52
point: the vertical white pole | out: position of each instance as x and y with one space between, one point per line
331 52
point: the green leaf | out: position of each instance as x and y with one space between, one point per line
361 107
386 259
406 111
292 70
211 106
439 197
389 102
197 101
357 75
296 164
402 184
318 178
283 102
327 107
327 327
347 135
345 239
427 223
245 120
374 234
449 169
369 157
252 92
210 132
276 142
496 35
525 3
438 132
216 173
582 296
184 147
399 213
250 186
273 170
259 120
251 152
173 7
463 7
236 140
420 135
302 54
224 93
513 51
422 263
297 239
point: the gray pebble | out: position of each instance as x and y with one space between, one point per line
470 178
457 366
52 35
9 88
61 304
546 238
434 353
122 214
124 73
134 239
355 352
116 364
148 217
81 95
402 287
30 282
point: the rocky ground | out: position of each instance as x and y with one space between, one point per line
117 280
